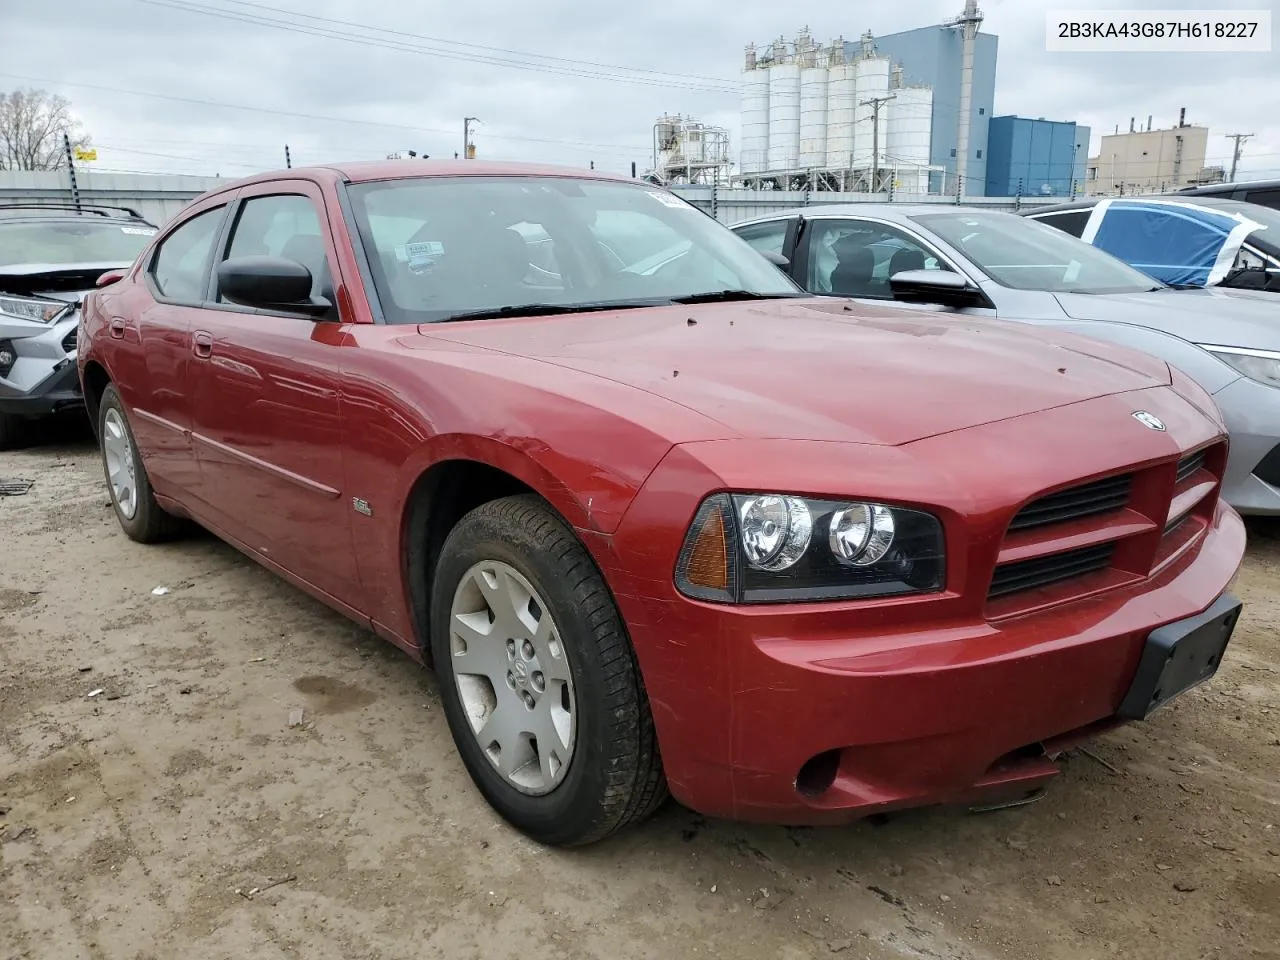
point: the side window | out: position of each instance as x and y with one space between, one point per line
288 226
856 258
1071 221
766 237
643 245
180 269
1264 198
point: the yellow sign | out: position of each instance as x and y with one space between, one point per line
86 154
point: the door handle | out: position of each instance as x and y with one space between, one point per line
116 328
202 344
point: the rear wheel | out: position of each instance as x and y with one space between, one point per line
540 684
140 516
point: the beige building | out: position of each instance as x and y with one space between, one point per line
1148 161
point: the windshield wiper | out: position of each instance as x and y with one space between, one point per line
724 296
548 309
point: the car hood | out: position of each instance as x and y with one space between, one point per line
59 281
1214 315
823 369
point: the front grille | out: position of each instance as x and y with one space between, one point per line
1189 465
70 340
1074 503
1044 571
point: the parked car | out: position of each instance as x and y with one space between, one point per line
1265 193
975 263
1184 242
677 526
50 256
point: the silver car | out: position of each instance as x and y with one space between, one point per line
951 259
50 257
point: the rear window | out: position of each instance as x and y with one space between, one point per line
71 241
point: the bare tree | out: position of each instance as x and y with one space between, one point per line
32 123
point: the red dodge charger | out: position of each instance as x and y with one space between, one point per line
659 520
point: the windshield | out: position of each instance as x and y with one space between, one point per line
67 241
444 247
1024 255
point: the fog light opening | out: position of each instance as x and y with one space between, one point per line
818 773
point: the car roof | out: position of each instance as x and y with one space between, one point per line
1230 187
1215 203
897 212
365 171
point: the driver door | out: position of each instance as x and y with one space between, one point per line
267 409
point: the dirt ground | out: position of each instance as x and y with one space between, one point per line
178 814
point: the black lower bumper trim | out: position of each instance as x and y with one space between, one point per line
1179 656
58 393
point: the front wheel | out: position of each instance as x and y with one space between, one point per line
540 685
140 516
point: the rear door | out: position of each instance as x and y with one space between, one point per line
150 346
267 405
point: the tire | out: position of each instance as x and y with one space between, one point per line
612 776
14 433
141 518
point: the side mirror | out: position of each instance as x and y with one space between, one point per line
936 286
110 277
777 259
270 283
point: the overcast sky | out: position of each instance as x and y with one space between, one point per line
414 76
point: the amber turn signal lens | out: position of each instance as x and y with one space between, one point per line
708 563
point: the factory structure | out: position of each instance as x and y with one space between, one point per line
905 112
1147 160
687 151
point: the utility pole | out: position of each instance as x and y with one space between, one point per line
468 149
71 169
1239 138
875 103
288 160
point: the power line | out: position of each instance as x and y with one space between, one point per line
478 46
387 44
310 116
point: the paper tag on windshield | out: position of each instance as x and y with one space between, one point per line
669 200
138 231
419 251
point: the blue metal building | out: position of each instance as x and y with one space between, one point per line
1035 157
930 56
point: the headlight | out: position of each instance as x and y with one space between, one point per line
27 308
1260 365
773 547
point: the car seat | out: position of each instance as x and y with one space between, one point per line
905 260
854 269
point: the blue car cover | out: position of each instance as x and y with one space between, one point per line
1175 242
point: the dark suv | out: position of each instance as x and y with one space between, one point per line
50 256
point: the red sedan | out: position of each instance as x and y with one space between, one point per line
658 519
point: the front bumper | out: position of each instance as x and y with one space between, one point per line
962 712
1252 414
826 712
43 379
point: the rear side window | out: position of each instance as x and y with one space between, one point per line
181 265
1072 222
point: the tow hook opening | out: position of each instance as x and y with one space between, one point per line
818 774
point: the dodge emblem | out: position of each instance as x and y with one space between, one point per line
1149 420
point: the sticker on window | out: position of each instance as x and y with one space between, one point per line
138 231
669 200
419 251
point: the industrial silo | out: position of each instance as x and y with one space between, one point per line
755 117
910 117
784 116
842 97
871 80
813 115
